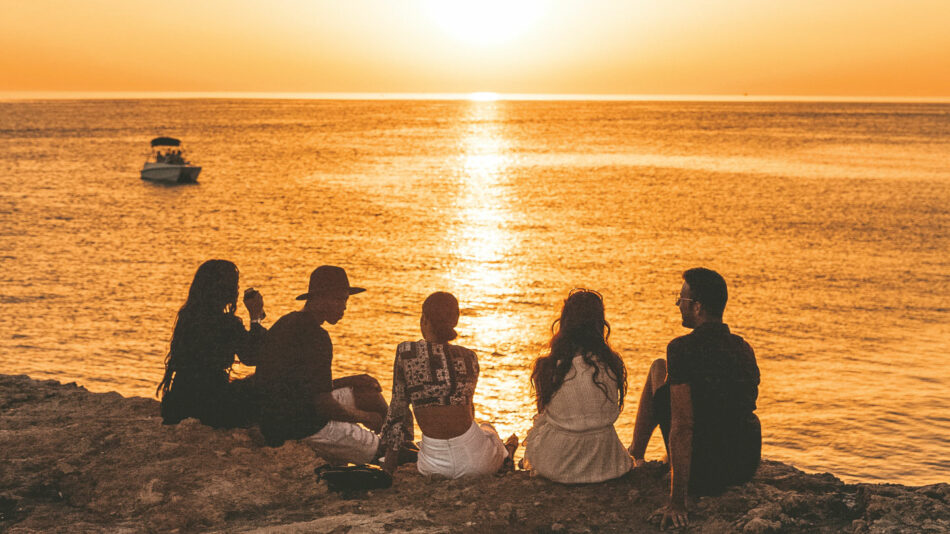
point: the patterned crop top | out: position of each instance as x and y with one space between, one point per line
427 374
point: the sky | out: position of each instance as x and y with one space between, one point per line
871 48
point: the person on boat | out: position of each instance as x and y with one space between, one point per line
703 398
159 157
437 380
300 400
579 388
206 338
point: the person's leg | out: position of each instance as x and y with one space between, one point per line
646 420
339 443
371 400
511 446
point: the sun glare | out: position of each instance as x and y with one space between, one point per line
486 22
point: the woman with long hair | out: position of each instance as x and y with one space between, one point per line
437 380
579 387
206 338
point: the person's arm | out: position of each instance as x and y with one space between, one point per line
317 354
681 452
363 381
250 342
327 406
398 427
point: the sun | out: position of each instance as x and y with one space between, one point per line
484 22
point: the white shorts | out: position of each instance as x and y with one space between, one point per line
479 451
339 442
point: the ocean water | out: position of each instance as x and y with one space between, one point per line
830 221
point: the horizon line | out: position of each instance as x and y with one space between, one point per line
473 96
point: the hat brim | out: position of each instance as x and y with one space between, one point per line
352 290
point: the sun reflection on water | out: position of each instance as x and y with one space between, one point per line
481 241
482 245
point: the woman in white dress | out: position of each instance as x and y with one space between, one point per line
579 388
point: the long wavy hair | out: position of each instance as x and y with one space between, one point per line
581 330
213 292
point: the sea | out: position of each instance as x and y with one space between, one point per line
829 220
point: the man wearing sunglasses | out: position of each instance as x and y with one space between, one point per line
702 396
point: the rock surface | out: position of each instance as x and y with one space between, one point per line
71 460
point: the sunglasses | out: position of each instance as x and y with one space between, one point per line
577 290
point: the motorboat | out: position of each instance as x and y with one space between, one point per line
167 165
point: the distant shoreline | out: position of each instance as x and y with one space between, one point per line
21 96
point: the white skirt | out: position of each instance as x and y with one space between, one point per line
573 457
479 451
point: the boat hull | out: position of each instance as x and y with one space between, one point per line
170 174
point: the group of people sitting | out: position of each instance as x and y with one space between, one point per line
702 396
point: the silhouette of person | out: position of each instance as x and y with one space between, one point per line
299 398
703 397
206 338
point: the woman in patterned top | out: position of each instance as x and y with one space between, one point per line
438 380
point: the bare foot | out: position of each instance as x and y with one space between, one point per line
511 445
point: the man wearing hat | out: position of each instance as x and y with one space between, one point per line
299 398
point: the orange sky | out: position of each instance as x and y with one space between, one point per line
760 47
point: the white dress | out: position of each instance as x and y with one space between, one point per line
573 440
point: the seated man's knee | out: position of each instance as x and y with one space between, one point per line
658 373
370 400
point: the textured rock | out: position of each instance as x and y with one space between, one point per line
72 461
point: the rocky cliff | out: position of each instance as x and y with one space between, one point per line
71 460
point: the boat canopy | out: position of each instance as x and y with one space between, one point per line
165 141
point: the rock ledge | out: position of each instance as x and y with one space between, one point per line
71 460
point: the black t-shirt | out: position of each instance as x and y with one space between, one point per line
723 376
295 367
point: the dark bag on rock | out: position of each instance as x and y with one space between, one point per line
351 478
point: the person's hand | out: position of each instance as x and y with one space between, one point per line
363 381
637 462
372 421
254 302
672 516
